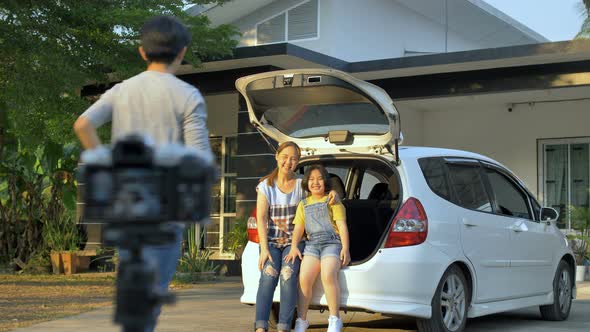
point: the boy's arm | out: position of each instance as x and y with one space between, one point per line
194 125
95 116
86 133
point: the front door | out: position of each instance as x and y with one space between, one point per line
532 242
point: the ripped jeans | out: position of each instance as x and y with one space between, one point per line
288 273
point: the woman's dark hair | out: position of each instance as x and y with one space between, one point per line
325 175
272 177
163 37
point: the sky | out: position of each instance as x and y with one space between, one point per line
555 20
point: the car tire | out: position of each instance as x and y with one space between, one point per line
273 320
448 314
562 294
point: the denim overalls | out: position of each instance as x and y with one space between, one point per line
323 241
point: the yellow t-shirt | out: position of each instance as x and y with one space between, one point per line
337 211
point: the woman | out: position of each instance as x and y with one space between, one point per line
279 194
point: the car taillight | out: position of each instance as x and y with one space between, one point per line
252 229
409 227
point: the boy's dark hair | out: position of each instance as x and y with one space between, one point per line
325 175
163 37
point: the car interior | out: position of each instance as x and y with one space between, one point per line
370 193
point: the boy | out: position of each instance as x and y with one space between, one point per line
158 104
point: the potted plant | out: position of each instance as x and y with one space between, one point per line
580 240
235 240
62 238
195 263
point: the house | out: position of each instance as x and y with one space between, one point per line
461 73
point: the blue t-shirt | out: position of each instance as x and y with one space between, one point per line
282 208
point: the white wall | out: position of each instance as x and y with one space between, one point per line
222 114
354 30
412 126
510 138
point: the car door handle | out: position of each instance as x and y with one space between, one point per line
468 223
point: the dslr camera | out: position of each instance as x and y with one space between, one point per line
139 184
141 192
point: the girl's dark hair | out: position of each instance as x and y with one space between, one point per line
163 37
325 175
272 177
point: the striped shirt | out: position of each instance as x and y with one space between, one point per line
281 212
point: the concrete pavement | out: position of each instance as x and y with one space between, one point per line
216 307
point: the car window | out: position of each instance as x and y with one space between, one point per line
434 173
340 171
469 189
510 199
368 182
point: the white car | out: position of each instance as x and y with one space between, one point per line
436 234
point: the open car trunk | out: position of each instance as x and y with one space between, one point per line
370 191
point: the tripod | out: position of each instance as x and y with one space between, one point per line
137 295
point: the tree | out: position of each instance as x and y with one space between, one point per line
585 29
50 49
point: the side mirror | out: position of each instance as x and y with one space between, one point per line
549 215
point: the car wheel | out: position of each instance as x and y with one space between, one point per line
562 295
449 304
273 320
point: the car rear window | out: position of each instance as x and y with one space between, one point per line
434 173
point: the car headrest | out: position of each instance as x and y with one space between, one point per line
337 185
380 192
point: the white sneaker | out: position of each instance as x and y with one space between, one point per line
334 324
301 325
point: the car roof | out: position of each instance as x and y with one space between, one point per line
416 152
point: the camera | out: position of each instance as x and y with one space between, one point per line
141 184
143 193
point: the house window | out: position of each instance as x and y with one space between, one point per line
272 30
564 173
300 22
223 204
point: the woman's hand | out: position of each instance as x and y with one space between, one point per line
344 257
264 255
293 253
333 197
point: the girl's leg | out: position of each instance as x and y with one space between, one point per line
330 266
310 268
288 277
269 277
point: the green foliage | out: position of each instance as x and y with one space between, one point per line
235 241
195 259
581 240
585 29
51 49
62 234
39 263
106 259
37 187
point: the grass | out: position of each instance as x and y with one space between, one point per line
26 300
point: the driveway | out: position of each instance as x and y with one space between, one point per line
216 307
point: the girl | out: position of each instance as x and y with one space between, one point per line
279 193
327 247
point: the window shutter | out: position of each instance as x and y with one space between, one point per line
271 31
303 21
